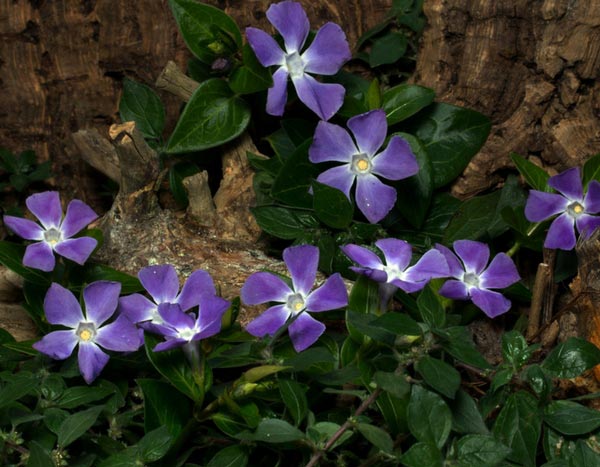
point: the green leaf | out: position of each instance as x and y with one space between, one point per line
256 374
376 436
422 455
174 367
512 197
373 97
294 398
466 417
331 206
452 136
394 412
231 456
80 395
429 418
439 375
75 426
251 77
415 193
536 177
161 408
155 444
19 386
571 358
177 173
387 49
405 100
140 104
398 323
212 116
393 383
473 218
479 450
292 184
457 341
283 222
229 424
571 418
591 170
207 31
100 272
39 456
11 256
272 430
431 309
320 432
518 426
515 350
364 296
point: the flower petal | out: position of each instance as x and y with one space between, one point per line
58 344
121 335
305 331
101 299
455 266
277 94
328 51
161 282
291 21
61 307
501 273
330 296
174 317
586 224
302 261
431 265
373 274
24 228
397 253
137 308
456 290
340 177
269 321
362 256
540 205
199 283
46 207
212 309
262 287
76 249
169 344
591 202
79 215
409 286
374 199
492 303
92 361
267 50
561 233
331 143
369 130
39 256
474 255
568 183
324 99
396 161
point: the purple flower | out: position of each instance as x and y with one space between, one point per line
162 284
396 270
295 302
574 209
325 56
87 330
473 280
362 162
181 328
55 233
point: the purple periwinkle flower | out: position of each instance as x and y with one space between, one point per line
574 208
87 330
362 162
294 302
325 56
54 235
472 280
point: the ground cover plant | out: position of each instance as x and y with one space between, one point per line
374 364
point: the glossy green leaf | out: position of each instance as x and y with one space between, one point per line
19 386
376 436
480 451
11 256
292 184
256 374
251 77
393 383
74 426
80 395
439 375
140 104
331 206
422 455
155 444
473 218
429 417
398 323
512 196
431 309
591 169
161 408
394 412
272 430
229 424
518 426
451 136
231 456
571 358
374 95
466 417
212 116
387 49
177 173
294 398
571 418
207 31
405 100
536 177
283 222
359 326
100 272
39 456
321 432
459 343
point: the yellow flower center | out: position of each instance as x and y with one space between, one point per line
361 164
85 335
575 209
52 236
86 331
295 303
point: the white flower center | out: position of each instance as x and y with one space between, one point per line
187 334
361 164
575 209
295 303
393 273
52 236
471 279
86 331
294 64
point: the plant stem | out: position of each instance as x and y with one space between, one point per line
316 457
